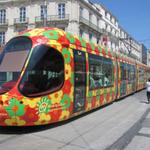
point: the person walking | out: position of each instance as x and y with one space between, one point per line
148 90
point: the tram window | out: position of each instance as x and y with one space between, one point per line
108 72
131 72
141 74
15 75
100 72
95 72
123 70
18 44
12 61
44 73
8 80
128 71
2 76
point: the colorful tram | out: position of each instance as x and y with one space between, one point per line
47 75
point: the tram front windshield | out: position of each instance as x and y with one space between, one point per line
44 73
12 60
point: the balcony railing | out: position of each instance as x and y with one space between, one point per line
4 22
90 24
85 21
97 29
51 18
113 38
21 20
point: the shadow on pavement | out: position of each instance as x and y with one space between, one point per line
32 129
144 102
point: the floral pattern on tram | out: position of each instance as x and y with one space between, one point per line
19 110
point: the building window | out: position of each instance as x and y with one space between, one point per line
61 10
2 38
98 40
98 22
116 33
111 30
105 40
90 36
81 12
90 17
105 14
22 14
2 16
111 20
43 11
116 23
81 33
106 27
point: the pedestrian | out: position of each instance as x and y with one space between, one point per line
148 90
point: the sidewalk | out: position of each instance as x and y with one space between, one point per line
141 141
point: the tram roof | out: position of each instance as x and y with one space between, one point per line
48 34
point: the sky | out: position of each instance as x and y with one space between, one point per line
133 16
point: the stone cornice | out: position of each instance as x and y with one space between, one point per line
90 6
11 3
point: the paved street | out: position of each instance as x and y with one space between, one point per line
125 124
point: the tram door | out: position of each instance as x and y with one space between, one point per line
123 85
79 80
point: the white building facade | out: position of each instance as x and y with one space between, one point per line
148 57
81 17
110 28
128 45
